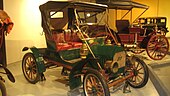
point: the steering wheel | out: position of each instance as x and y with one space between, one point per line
84 31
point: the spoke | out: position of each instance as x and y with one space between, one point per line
133 66
140 73
139 68
88 81
29 60
140 77
99 88
135 80
89 92
151 48
99 93
27 65
153 52
95 82
91 80
29 74
88 85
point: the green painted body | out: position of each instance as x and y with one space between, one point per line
39 60
100 50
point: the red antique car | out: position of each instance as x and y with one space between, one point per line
141 34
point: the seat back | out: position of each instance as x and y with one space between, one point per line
59 21
122 26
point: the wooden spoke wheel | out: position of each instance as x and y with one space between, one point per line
29 68
94 84
140 71
157 47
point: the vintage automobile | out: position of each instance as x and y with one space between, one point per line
150 23
90 61
139 34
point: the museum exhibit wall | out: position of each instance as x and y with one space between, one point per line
158 8
27 30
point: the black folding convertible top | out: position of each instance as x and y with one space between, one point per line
122 4
57 6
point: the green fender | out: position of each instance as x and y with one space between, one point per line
38 57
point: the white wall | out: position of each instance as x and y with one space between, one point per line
27 27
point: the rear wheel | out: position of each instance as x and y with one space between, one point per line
2 89
140 71
29 68
157 47
94 84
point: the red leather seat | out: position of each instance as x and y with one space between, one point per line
63 46
67 40
75 44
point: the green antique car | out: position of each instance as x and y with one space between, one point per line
101 64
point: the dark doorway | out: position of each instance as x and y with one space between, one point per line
1 4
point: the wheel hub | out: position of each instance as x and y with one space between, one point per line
94 90
135 72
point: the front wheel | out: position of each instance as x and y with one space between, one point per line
2 89
29 68
140 73
94 84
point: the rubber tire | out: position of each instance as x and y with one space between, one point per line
37 78
99 77
3 88
146 72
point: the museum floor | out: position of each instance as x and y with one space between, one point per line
53 87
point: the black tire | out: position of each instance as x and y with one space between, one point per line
29 68
140 71
97 85
3 89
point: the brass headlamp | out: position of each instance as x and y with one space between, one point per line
83 51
